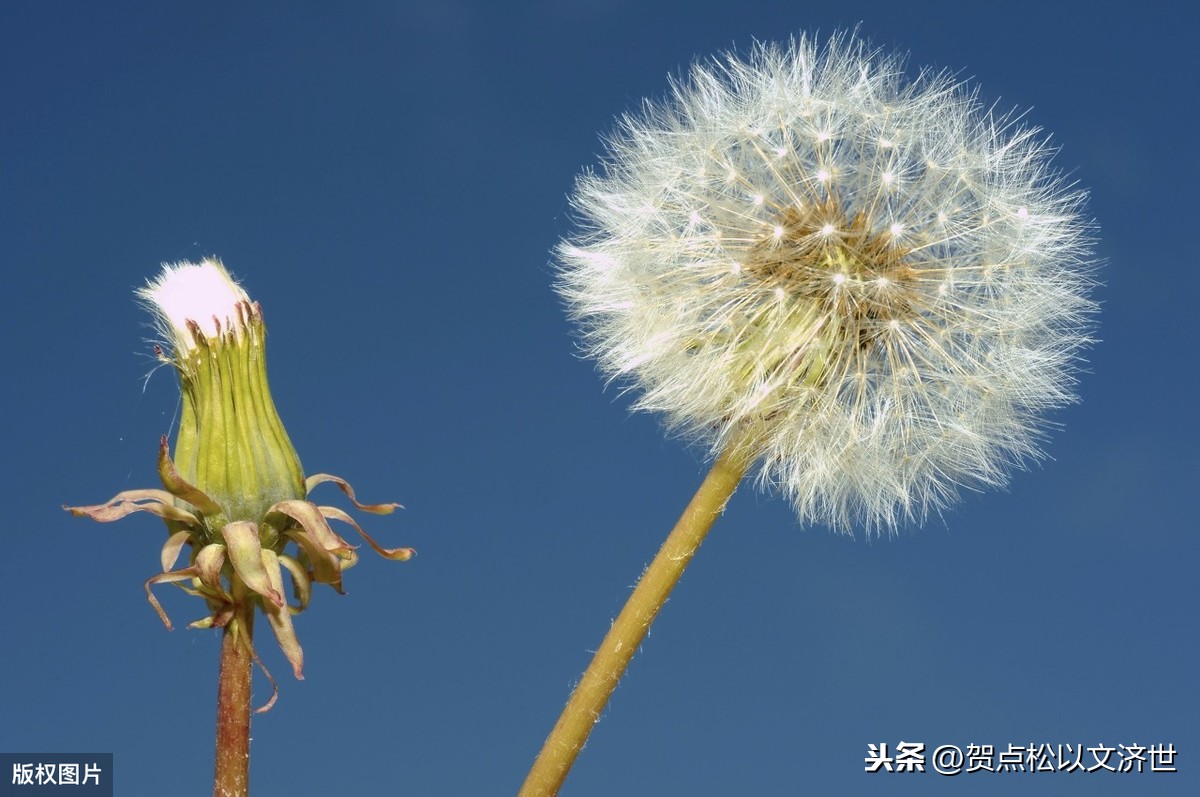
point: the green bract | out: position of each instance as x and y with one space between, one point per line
231 443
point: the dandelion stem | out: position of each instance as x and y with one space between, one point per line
232 769
612 658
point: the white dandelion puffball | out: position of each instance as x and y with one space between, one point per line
873 282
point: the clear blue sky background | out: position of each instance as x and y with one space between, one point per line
388 179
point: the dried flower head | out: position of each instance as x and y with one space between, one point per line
875 284
234 493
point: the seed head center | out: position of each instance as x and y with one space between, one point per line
817 255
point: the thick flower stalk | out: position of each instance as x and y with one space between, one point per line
867 289
234 494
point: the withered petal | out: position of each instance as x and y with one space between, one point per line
178 487
320 478
310 517
397 554
166 578
325 566
172 547
245 554
157 502
209 561
281 619
301 583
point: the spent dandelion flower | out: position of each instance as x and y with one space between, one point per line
234 494
868 288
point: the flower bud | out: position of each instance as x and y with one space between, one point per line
235 492
231 445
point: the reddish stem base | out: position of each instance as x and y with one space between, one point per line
232 770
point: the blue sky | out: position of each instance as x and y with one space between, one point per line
388 179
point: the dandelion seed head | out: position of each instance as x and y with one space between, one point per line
203 294
888 291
